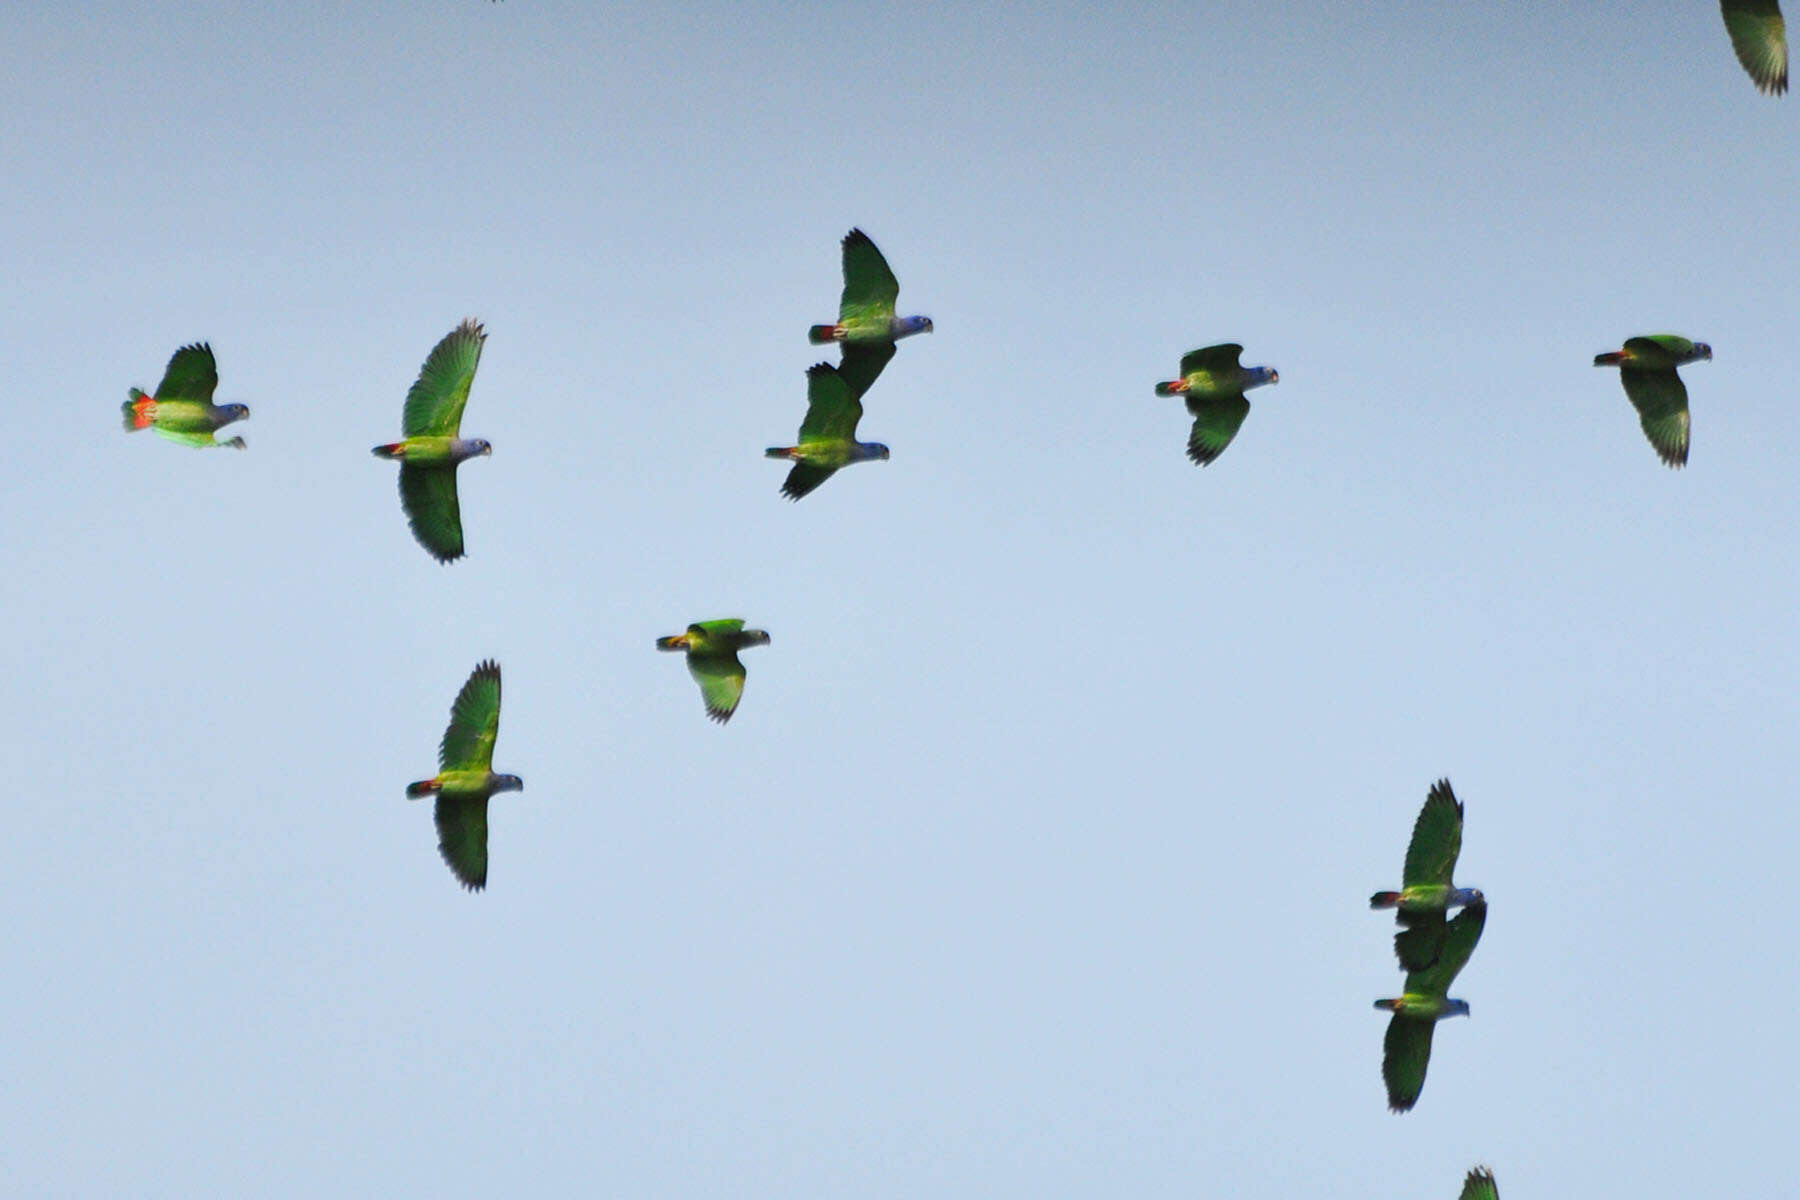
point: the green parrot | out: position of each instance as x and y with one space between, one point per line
433 447
1480 1186
1406 1051
712 658
866 325
1426 891
1214 385
1647 369
827 434
466 778
182 409
1759 36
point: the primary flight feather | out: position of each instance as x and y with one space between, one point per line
868 325
1759 38
433 446
466 779
1214 383
1479 1185
182 409
1647 369
712 659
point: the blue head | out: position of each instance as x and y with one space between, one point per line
1261 375
466 448
236 412
907 326
1466 896
1454 1008
1702 350
508 783
867 450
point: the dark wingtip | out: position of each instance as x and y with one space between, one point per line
721 715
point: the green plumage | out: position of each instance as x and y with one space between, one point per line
712 659
1647 369
1759 38
1426 885
434 447
827 440
182 410
1406 1048
1479 1185
1213 383
868 322
466 780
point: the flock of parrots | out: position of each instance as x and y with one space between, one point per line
1432 947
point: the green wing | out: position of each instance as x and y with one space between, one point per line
1405 1053
1660 349
1661 401
428 494
1436 838
831 411
434 406
861 363
721 680
468 743
717 628
191 375
463 836
1759 36
1216 421
1459 942
1223 357
804 479
870 289
1480 1186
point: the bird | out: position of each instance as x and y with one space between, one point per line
433 446
1214 385
1759 36
182 409
1479 1185
712 659
1425 1000
466 778
827 433
867 326
1426 892
1647 369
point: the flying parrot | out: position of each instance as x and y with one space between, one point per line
1759 36
712 658
1647 369
827 434
1214 385
1406 1051
466 778
182 409
1480 1186
433 447
1426 891
866 325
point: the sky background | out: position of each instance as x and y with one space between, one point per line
1035 861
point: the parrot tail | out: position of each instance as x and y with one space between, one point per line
140 411
1174 388
391 450
1610 359
1385 900
818 335
422 788
782 452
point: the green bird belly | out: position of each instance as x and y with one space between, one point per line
186 416
825 454
465 785
1207 386
427 451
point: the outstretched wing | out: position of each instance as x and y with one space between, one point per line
1405 1053
1759 36
804 478
870 288
1216 421
831 411
1661 401
862 363
1223 357
1436 838
468 743
721 680
1480 1186
434 405
428 494
191 375
1460 937
462 838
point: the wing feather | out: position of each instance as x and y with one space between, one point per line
1405 1053
1759 37
192 374
428 494
870 289
434 404
1661 401
463 838
1217 420
468 743
831 411
1223 357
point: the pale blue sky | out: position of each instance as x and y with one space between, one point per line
1035 862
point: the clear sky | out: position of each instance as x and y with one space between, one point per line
1035 862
